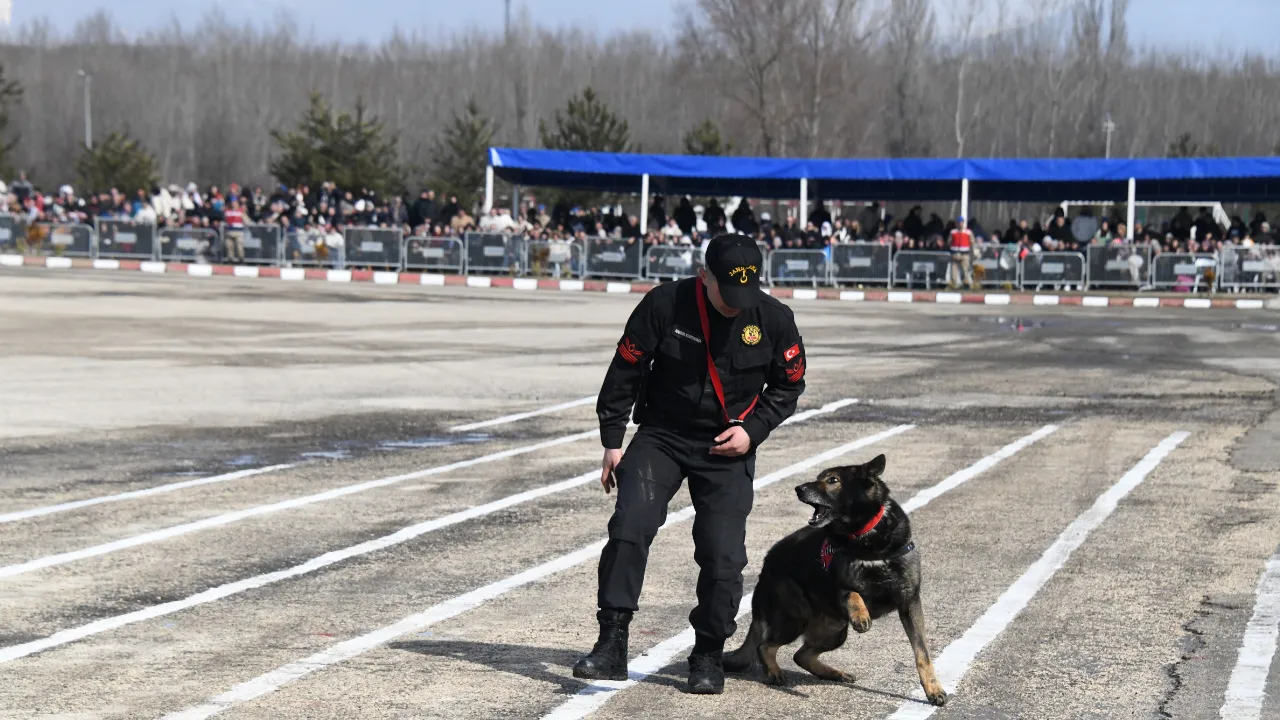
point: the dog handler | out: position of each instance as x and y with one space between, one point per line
712 365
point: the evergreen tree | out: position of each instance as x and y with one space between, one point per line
461 153
351 149
119 162
705 139
10 93
586 124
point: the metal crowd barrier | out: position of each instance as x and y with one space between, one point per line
999 265
13 233
1127 265
126 239
494 253
304 248
862 263
1057 270
190 244
921 268
614 258
1245 269
373 247
440 255
672 262
799 267
1184 272
263 244
57 240
553 258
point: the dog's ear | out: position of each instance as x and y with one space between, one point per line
875 468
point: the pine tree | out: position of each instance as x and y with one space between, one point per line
352 150
10 93
119 162
462 152
587 124
705 139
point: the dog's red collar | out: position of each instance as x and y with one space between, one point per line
871 525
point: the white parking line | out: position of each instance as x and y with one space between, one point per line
13 652
521 416
1246 688
133 494
340 652
596 694
238 515
955 660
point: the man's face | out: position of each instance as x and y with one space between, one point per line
713 292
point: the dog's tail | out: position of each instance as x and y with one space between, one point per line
747 657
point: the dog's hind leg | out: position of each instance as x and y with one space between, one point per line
859 616
823 635
912 616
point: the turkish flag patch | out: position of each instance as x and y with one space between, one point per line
791 353
629 351
795 373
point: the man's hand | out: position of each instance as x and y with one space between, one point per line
732 442
607 466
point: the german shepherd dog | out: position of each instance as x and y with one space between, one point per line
854 562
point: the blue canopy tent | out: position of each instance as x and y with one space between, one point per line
1244 179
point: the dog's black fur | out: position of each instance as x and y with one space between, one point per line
868 576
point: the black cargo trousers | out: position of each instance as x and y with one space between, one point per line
651 471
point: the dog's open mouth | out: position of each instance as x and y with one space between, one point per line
822 515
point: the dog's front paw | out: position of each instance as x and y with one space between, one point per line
861 622
776 678
937 696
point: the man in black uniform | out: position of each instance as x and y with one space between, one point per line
712 365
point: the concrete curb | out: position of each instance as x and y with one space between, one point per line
530 284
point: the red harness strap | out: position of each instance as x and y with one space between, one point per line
711 362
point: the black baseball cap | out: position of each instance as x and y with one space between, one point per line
736 262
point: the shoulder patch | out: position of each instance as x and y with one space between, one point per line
629 352
791 353
795 373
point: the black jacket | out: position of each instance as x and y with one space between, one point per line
758 353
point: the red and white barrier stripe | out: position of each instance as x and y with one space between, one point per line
942 297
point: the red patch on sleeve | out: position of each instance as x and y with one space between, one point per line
629 352
795 373
791 353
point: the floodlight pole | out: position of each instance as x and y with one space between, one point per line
1109 127
88 113
1133 208
804 202
964 199
488 189
644 205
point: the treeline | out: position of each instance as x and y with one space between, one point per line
851 78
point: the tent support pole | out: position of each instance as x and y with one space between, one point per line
1133 208
515 201
488 189
644 204
964 199
804 201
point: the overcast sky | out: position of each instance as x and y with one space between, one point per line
1240 24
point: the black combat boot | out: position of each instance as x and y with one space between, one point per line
706 668
608 659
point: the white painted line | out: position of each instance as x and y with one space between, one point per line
11 260
478 281
382 277
955 660
1095 301
340 276
1249 304
62 263
1248 683
273 680
222 591
1197 303
617 287
1146 302
853 295
948 298
521 416
804 294
149 266
524 283
903 297
293 274
431 279
596 694
572 285
133 494
238 515
106 264
997 299
1044 300
249 271
200 270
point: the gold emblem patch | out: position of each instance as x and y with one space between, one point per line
751 335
